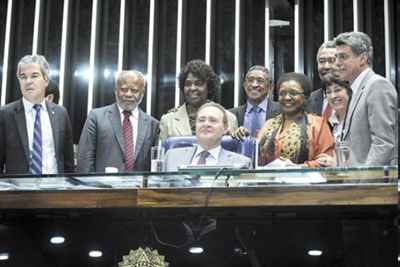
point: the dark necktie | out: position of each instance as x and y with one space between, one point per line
255 121
127 132
36 152
203 155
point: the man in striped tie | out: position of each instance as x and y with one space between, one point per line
35 135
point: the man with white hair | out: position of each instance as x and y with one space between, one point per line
35 134
119 135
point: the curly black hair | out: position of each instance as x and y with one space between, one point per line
300 78
203 72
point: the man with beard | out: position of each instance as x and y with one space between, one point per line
326 58
119 135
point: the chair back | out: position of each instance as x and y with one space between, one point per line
247 147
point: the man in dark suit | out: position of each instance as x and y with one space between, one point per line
371 124
119 135
326 58
35 135
259 106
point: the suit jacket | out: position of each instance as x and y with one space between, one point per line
273 109
176 123
15 151
183 156
101 141
316 102
371 124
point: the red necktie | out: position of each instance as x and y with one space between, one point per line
327 112
127 131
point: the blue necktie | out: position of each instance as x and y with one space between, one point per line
255 121
36 152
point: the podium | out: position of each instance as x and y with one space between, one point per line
269 217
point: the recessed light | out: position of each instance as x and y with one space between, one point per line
95 253
196 250
57 240
4 256
315 252
398 258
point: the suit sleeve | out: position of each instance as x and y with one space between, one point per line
87 145
69 164
382 120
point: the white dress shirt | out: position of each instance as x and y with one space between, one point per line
49 161
133 118
212 158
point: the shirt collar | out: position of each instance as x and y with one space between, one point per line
135 112
333 119
214 152
28 106
263 105
357 82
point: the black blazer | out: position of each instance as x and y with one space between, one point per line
14 144
273 109
316 102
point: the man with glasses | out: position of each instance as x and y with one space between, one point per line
35 134
259 107
370 126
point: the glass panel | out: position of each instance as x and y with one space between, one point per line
51 31
342 16
3 18
224 53
107 56
20 43
77 67
281 37
166 57
195 40
313 37
375 28
136 37
396 32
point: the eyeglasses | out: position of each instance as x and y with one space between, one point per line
33 77
290 93
258 80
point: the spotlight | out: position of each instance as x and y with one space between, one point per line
57 240
95 253
196 250
398 258
4 256
315 252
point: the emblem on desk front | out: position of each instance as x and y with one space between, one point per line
143 258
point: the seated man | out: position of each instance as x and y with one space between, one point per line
211 125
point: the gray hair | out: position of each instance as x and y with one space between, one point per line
260 68
359 42
327 44
35 59
120 74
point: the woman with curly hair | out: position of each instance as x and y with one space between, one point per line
199 84
296 137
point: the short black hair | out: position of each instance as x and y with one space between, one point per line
300 78
203 72
332 79
52 88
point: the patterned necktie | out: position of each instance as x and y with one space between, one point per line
203 155
255 121
36 152
127 132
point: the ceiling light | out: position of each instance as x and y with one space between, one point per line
315 252
398 258
196 250
4 256
95 253
57 240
